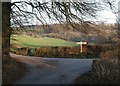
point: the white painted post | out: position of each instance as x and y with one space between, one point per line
0 43
81 46
81 43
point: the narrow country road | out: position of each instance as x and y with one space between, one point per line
52 70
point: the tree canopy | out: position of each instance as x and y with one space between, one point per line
24 11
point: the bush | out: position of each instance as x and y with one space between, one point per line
19 50
63 52
105 70
113 53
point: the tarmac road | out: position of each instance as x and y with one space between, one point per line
52 70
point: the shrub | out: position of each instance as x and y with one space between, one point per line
63 52
24 50
105 70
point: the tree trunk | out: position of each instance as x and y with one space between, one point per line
6 30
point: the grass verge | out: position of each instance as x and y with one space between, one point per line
12 70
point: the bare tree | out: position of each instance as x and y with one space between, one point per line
6 30
57 11
116 10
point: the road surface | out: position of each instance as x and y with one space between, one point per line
52 70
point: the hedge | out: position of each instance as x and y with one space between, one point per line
61 52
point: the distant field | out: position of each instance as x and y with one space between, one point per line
28 41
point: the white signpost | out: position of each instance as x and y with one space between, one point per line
81 43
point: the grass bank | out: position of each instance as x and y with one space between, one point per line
12 70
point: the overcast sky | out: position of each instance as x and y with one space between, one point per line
106 15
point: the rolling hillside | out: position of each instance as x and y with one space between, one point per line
29 41
95 33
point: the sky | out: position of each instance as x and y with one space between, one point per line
106 15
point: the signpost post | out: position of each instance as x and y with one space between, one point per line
0 43
80 44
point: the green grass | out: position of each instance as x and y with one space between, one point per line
28 41
13 49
